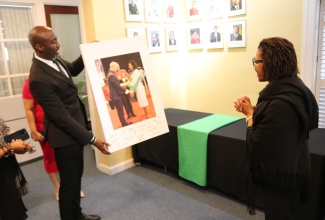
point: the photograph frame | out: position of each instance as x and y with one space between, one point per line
240 11
169 11
158 31
143 129
131 31
153 7
215 41
231 25
130 12
214 9
174 30
194 13
193 37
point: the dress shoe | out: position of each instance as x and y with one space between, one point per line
134 115
89 217
127 124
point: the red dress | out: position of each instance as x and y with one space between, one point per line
48 152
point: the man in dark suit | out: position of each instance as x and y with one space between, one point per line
155 40
133 9
235 36
235 5
65 119
215 35
116 91
172 40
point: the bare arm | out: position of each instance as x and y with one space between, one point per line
29 109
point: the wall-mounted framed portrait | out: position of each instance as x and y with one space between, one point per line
155 36
172 38
214 36
133 10
214 9
236 33
195 33
153 10
236 7
135 31
169 11
194 10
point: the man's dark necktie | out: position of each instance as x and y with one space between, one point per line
58 65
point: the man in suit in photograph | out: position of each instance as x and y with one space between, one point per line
215 35
133 9
65 117
235 36
235 5
172 40
116 91
155 40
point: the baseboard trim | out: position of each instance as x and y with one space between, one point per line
116 168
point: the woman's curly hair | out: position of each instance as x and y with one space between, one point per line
279 58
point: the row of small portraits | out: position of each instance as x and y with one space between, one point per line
169 10
196 36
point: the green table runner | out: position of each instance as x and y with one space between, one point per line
192 146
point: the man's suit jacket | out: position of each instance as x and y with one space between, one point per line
114 86
233 38
65 119
213 37
233 8
133 9
170 42
156 44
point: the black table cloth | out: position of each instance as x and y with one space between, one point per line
226 162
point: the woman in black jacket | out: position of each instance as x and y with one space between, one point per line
278 131
13 184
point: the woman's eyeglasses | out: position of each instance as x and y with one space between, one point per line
255 61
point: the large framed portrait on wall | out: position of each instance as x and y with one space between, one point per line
236 33
133 10
125 92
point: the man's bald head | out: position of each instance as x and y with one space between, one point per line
44 41
37 34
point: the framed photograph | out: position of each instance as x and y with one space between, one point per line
153 10
236 7
135 31
236 33
155 38
125 62
214 34
169 11
172 38
195 33
133 10
194 10
213 9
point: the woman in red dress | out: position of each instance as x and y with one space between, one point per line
35 118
